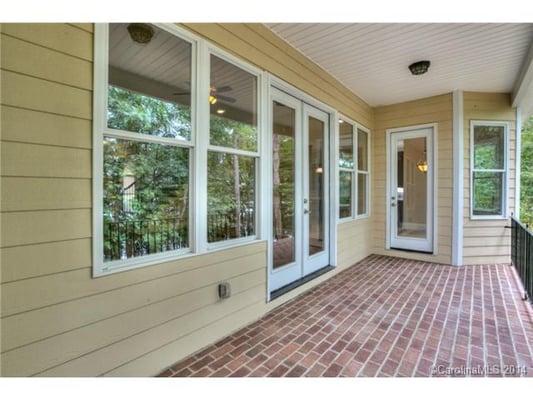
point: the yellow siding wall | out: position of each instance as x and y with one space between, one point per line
487 241
437 109
56 319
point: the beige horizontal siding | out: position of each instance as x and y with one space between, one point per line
29 126
57 319
487 241
436 109
353 241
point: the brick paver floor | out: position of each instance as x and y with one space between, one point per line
385 316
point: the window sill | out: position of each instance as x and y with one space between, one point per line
352 219
488 218
115 267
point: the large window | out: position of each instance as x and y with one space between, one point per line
233 152
170 177
146 143
347 170
353 170
488 169
362 172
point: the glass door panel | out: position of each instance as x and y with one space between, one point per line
412 187
316 211
283 184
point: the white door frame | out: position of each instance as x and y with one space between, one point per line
432 190
276 84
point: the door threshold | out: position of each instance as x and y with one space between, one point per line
293 285
412 251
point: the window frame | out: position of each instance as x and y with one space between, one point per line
364 172
198 146
355 170
504 171
352 171
206 142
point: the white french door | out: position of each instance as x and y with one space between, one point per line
411 180
299 244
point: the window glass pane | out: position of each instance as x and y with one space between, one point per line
230 196
149 83
345 194
361 193
233 105
146 198
346 145
488 193
362 150
489 147
283 190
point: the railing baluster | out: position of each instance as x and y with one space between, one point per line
521 255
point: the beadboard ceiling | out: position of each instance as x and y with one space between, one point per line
372 59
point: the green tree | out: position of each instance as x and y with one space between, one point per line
526 177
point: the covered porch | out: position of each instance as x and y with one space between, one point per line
385 316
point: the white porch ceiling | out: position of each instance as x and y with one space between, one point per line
372 59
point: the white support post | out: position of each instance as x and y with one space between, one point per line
458 179
518 150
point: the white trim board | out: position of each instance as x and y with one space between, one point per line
458 178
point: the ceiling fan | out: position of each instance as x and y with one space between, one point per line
214 94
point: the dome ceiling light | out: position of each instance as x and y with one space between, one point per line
419 67
141 33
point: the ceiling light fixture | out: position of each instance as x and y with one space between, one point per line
221 111
422 166
141 33
341 121
419 67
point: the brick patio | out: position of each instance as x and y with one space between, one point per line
384 317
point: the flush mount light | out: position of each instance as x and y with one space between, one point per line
419 67
221 111
341 121
141 33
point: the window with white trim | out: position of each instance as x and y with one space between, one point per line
146 144
233 151
362 172
488 176
354 172
176 146
347 170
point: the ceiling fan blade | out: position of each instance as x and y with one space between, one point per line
223 89
226 99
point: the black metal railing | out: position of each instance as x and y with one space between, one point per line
522 255
231 225
133 238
